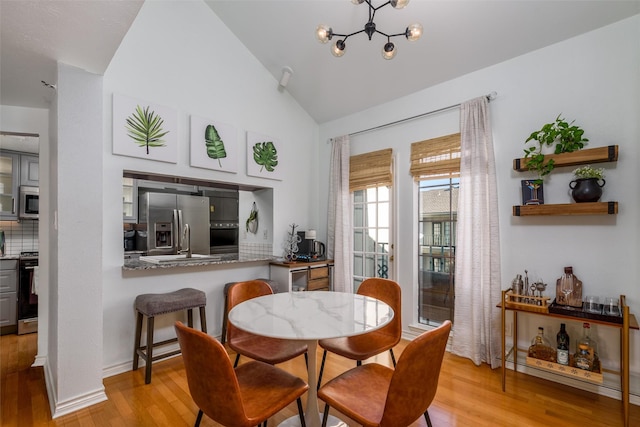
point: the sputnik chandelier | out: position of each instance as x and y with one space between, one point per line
412 32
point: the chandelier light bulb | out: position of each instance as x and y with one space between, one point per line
414 32
389 51
357 1
338 48
399 4
323 32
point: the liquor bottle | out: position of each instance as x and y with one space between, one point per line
587 348
562 349
541 347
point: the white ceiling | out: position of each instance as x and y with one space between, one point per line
459 37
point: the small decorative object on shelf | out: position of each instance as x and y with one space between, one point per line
586 356
562 349
569 289
541 347
291 245
586 187
525 297
532 192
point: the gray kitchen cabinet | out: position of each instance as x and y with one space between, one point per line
9 183
8 296
29 170
129 200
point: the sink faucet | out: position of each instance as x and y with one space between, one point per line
186 234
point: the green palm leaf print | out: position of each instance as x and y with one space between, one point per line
145 128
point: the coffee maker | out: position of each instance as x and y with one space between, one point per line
310 249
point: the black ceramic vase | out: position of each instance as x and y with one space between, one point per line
586 189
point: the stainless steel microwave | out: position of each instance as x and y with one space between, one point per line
29 203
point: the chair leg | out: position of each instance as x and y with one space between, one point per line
306 360
136 357
235 364
199 418
190 317
325 415
301 412
426 417
223 337
393 357
324 357
358 362
147 370
203 320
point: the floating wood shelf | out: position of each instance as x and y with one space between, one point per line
597 208
580 157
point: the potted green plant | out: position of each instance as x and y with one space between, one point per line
566 136
585 187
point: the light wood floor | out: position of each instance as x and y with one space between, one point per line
467 396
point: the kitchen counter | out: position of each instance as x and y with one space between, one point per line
137 264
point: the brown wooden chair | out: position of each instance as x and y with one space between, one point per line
264 349
362 347
243 397
378 396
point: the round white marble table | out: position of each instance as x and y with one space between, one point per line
309 317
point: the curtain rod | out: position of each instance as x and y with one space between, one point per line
490 97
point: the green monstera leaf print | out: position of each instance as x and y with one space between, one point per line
266 155
215 145
145 128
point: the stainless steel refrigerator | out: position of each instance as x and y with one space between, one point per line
167 216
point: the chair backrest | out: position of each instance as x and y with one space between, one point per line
212 380
241 292
415 379
390 293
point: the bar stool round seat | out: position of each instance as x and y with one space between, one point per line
151 305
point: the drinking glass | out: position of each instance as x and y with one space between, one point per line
592 304
566 287
611 307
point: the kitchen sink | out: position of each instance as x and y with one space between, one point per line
181 258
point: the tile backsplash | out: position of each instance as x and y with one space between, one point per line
20 236
250 250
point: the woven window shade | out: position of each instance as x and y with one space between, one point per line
436 158
370 170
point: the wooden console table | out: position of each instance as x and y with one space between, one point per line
303 276
629 321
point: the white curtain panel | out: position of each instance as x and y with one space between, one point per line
339 240
477 288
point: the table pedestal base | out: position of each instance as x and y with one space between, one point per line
331 422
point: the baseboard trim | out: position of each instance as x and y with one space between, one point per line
59 409
77 403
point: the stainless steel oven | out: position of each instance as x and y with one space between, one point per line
223 238
28 293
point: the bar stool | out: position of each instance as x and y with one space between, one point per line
151 305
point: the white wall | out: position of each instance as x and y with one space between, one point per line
180 55
593 79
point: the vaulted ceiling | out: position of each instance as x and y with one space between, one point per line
459 37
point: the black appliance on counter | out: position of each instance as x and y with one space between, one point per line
27 293
310 249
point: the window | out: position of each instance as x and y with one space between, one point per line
435 166
370 181
436 249
371 234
